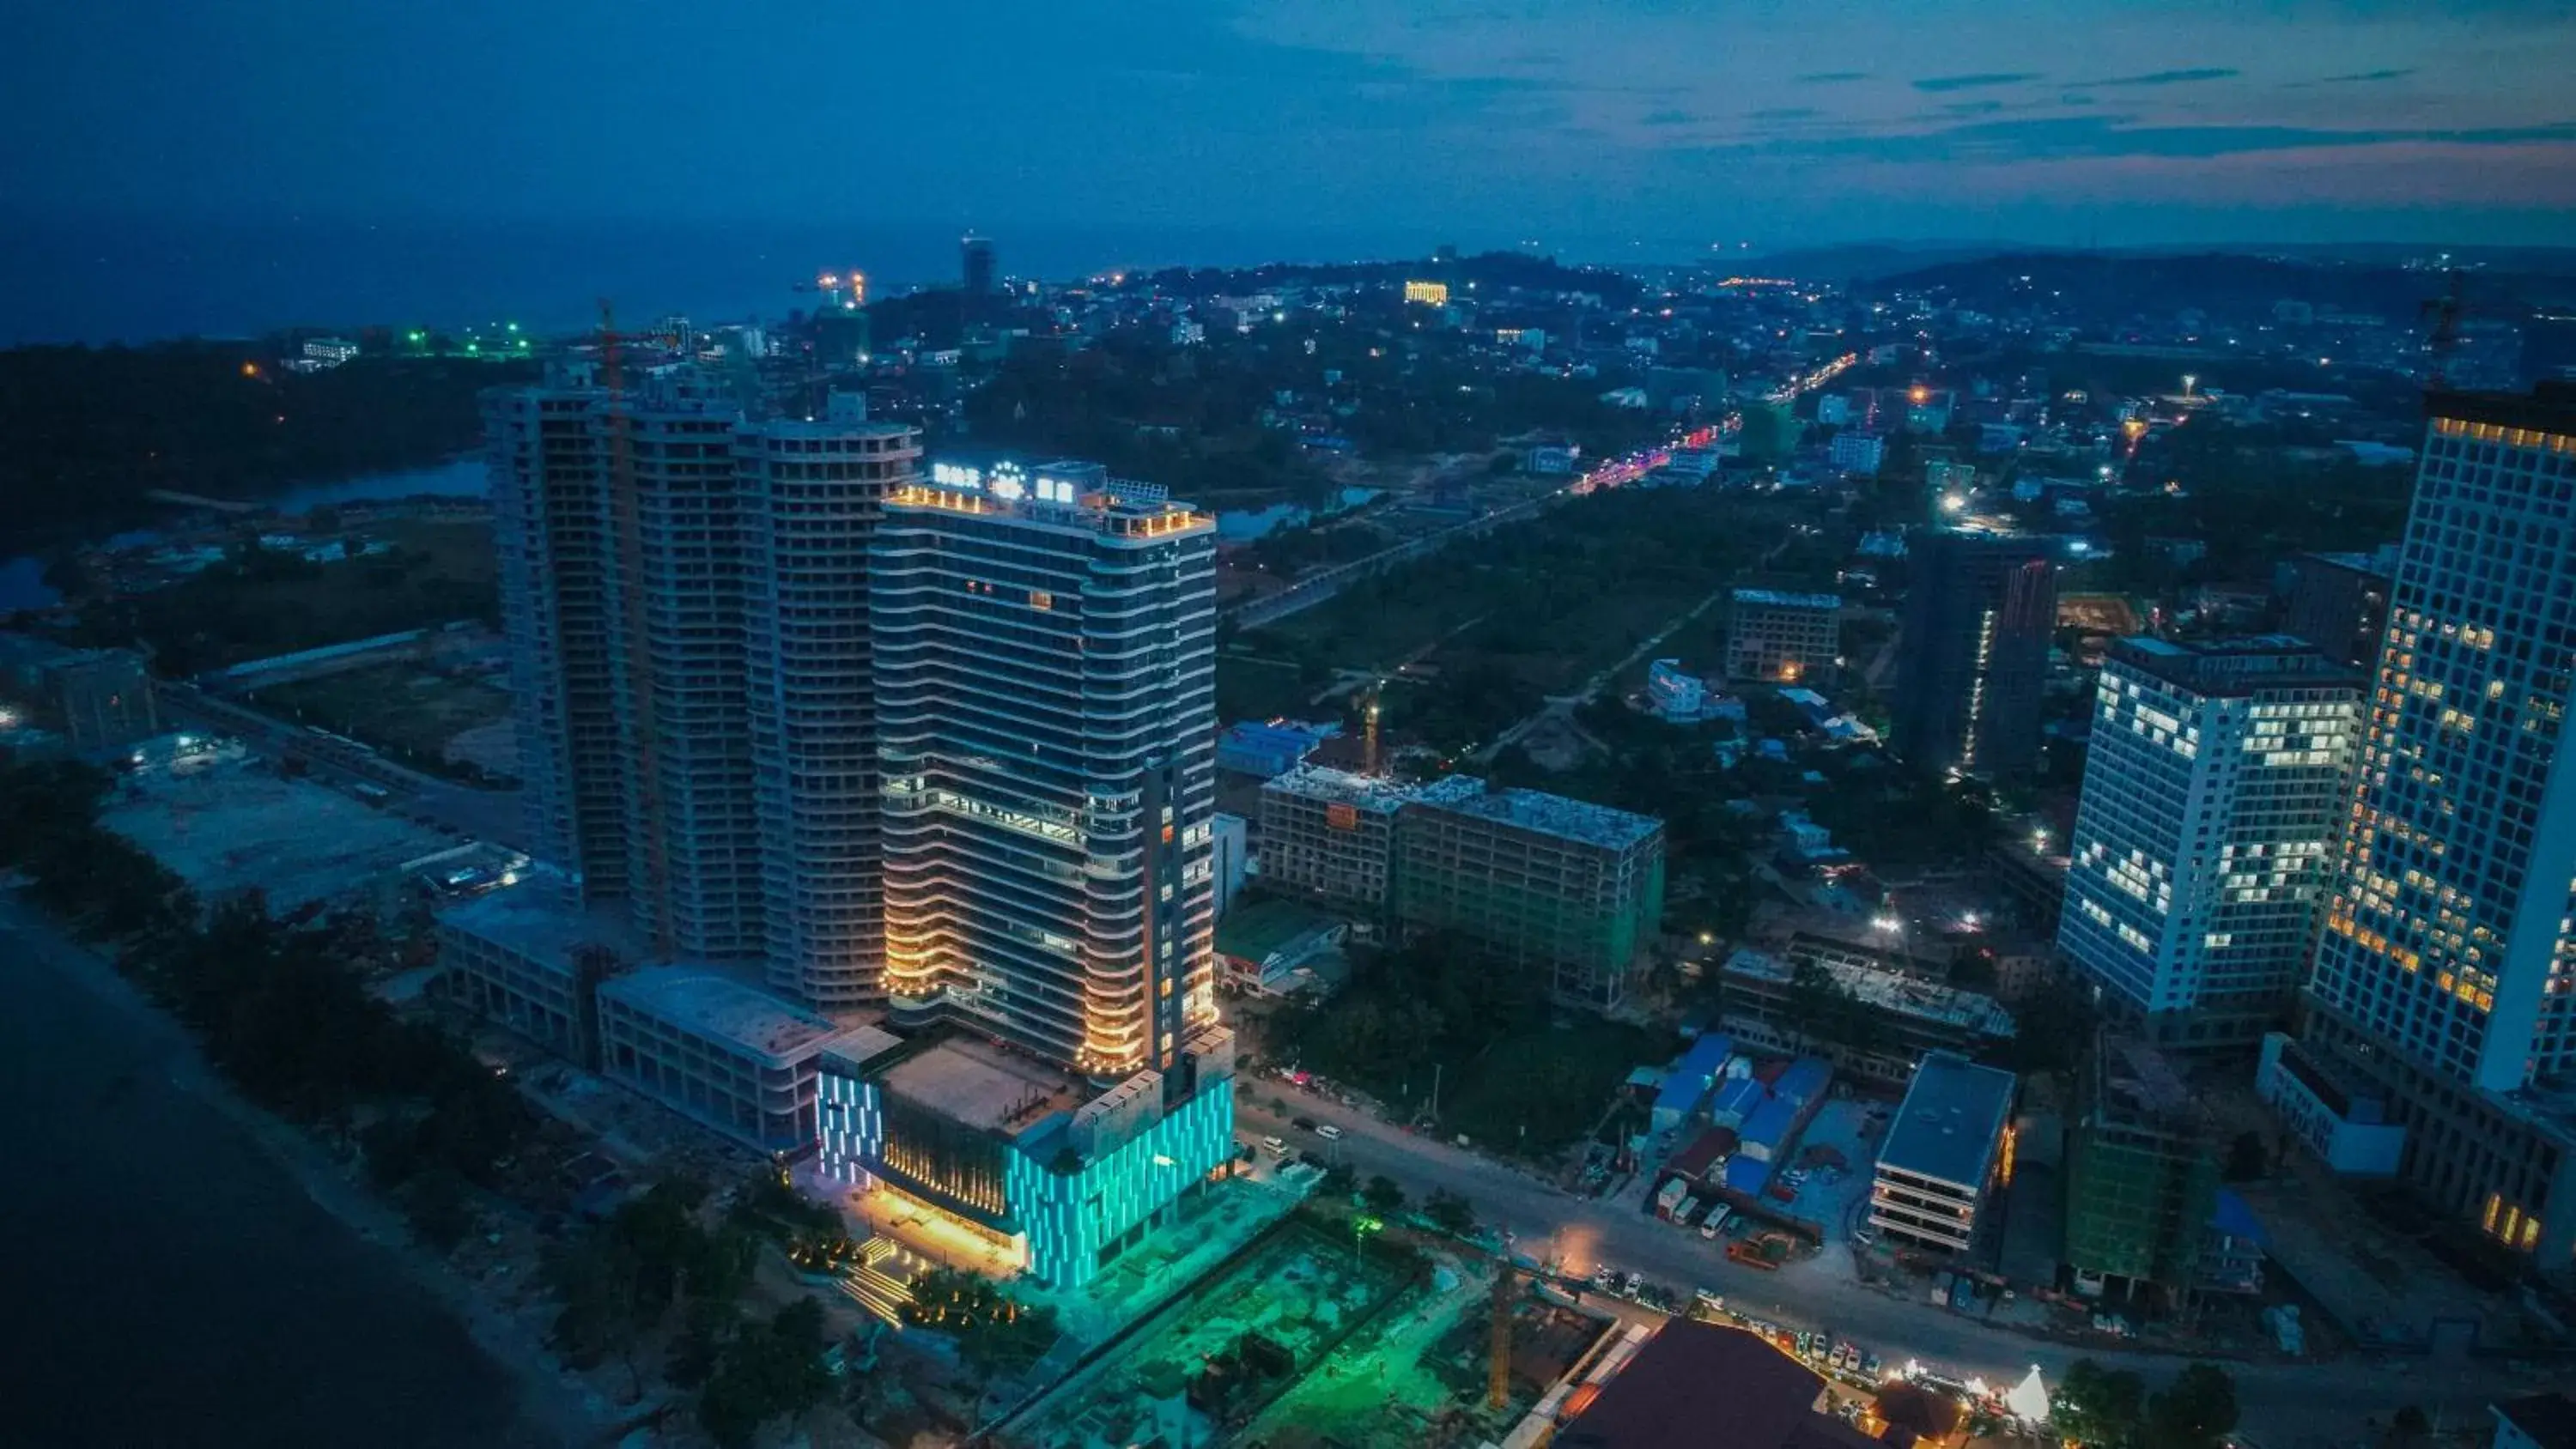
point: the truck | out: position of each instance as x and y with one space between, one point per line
1749 1254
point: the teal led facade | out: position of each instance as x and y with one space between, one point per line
1074 1221
1070 1221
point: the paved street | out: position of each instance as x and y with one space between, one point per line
2284 1404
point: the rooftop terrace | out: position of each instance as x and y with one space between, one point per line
1373 793
981 1085
1889 991
1556 815
534 921
1952 1122
705 1002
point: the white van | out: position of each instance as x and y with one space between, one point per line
1329 1132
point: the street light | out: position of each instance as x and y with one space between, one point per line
1363 1224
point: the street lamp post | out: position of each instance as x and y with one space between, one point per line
1362 1224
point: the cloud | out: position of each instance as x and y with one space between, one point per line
2057 138
1666 118
2367 76
1783 113
2168 77
1939 83
1832 77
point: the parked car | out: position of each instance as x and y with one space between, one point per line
1329 1132
1302 1124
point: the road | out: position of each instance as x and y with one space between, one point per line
487 815
2285 1404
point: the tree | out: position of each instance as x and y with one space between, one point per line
2195 1411
2246 1159
2409 1428
2095 1405
769 1371
1337 1181
1383 1196
1450 1212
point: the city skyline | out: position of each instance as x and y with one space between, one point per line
1584 128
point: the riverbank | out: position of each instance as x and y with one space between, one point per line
204 1273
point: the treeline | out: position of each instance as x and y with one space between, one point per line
274 1003
92 430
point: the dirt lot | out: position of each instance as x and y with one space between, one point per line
409 711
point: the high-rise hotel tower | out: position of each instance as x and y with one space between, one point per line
2443 1001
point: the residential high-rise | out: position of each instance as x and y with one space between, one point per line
2213 790
1046 708
684 593
2446 971
975 255
1979 615
2339 603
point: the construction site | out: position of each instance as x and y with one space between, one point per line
1320 1332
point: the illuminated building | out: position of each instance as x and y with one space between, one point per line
1428 294
2213 790
2339 602
1045 647
2446 972
708 1046
1950 1143
1783 638
1058 1178
1980 612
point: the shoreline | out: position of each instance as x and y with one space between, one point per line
551 1403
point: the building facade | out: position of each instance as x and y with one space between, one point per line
2213 791
1783 638
2142 1174
1045 663
2446 972
2339 603
685 596
1947 1148
1538 880
1328 835
1979 615
733 1057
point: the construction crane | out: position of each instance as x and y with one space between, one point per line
625 508
2442 316
1368 733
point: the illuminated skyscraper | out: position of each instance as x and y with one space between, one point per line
1980 611
1045 665
2213 789
2446 974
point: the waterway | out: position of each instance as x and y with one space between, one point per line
172 1281
22 578
1245 524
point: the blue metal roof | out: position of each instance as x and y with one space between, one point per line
1804 1081
1770 1123
1747 1175
1741 1097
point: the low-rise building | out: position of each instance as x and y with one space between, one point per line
1054 1176
2338 1114
1269 748
1761 998
1268 948
524 959
1694 1385
1783 638
719 1050
1948 1147
2535 1421
96 699
1854 452
1537 880
1329 835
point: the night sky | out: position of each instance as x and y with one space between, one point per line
1658 122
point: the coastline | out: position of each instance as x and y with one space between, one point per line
551 1405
